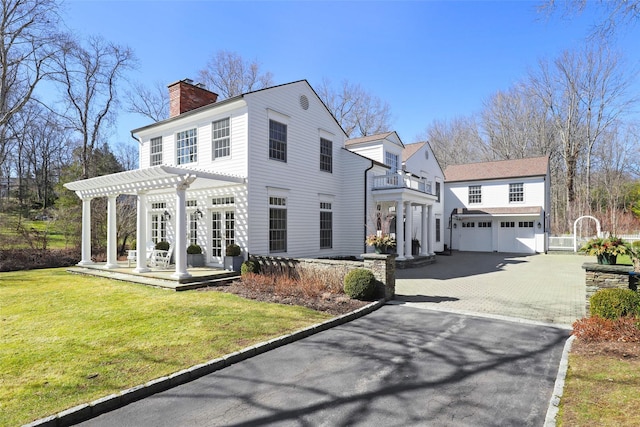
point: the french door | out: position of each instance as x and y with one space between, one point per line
223 233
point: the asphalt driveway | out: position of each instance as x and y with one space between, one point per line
547 288
398 366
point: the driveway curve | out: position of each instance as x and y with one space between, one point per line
546 288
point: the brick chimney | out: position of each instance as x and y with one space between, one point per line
185 96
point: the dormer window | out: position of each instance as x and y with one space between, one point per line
391 160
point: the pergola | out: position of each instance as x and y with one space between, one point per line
141 182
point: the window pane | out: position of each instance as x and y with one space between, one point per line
326 229
187 146
221 139
326 155
277 230
277 141
475 194
156 151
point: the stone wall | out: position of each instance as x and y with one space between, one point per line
599 276
381 265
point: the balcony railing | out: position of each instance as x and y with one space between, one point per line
401 180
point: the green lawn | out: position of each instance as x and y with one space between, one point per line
68 339
11 238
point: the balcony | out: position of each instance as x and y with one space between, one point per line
401 179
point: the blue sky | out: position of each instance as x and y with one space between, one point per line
430 60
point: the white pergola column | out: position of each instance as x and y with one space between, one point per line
112 236
180 248
430 226
141 234
409 229
424 227
86 232
400 230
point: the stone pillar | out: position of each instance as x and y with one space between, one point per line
408 254
400 229
141 235
383 268
112 237
424 226
180 247
86 232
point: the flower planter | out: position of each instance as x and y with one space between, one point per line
195 260
607 259
233 263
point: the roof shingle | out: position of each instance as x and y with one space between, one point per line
535 166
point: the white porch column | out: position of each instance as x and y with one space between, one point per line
180 247
409 230
426 232
400 230
141 235
431 225
86 232
112 237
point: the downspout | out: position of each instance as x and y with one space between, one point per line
365 207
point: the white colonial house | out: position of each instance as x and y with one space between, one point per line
500 206
407 190
269 171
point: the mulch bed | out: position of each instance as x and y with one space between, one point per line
618 350
335 304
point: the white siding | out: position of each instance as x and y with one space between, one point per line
300 178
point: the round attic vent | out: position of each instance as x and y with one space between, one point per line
304 102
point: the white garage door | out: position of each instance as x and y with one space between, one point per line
475 236
516 236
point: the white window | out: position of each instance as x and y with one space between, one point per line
326 155
277 141
392 161
187 146
221 139
475 194
156 151
326 226
516 192
277 224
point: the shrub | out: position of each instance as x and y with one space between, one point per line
249 267
233 250
162 245
615 303
194 249
360 284
624 329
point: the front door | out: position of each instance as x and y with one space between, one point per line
223 226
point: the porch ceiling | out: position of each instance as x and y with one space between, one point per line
148 179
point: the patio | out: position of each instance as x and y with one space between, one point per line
200 276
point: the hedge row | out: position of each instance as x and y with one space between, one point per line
29 259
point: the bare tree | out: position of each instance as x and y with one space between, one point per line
516 126
151 102
585 94
358 112
613 14
228 74
456 142
89 76
27 31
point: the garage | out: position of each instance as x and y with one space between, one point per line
476 236
516 235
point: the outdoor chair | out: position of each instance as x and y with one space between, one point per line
162 259
132 255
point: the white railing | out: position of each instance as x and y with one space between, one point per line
565 243
401 180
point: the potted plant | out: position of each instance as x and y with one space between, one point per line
415 246
382 243
195 257
606 249
233 258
